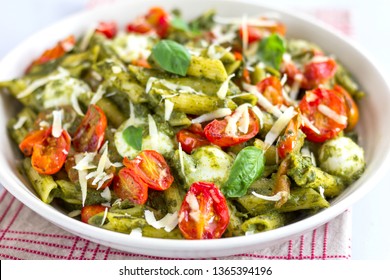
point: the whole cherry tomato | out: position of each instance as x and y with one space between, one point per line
192 138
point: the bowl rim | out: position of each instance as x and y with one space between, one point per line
114 238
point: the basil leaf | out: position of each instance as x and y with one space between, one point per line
133 137
179 24
172 57
271 50
247 167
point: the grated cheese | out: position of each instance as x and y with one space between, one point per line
222 91
57 123
278 196
234 122
87 38
149 84
213 54
43 81
296 86
168 105
19 124
325 110
84 161
82 179
194 206
309 124
219 113
136 232
98 95
153 132
262 101
181 159
259 115
169 222
279 125
106 194
116 69
104 216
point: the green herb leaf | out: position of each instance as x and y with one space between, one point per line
133 137
247 168
179 24
271 50
172 57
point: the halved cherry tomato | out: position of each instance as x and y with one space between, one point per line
56 52
192 138
139 26
288 141
254 33
158 18
109 29
317 73
89 211
216 133
291 70
89 135
48 153
142 63
73 174
328 128
151 167
351 107
204 213
271 88
128 185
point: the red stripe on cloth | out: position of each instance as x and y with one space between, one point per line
9 257
313 243
289 254
3 195
12 221
95 252
82 256
35 252
301 246
48 244
8 207
106 254
325 244
73 248
71 237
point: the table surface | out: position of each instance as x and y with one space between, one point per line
371 226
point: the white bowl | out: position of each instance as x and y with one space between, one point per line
373 129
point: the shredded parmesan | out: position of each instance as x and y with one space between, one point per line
82 178
262 101
275 197
219 113
153 132
98 95
259 115
62 73
213 54
222 91
106 194
237 121
19 124
57 123
169 105
181 159
322 190
325 110
104 216
169 222
116 69
136 232
87 38
84 161
309 124
279 125
149 84
296 86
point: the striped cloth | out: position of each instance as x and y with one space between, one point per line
25 235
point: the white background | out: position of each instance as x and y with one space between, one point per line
371 223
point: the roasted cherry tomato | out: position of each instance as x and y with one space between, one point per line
139 26
48 153
151 168
192 138
56 52
351 107
73 174
204 213
254 33
159 19
271 88
89 135
327 127
89 211
216 131
318 72
288 141
128 185
109 29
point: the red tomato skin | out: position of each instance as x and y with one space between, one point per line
89 211
254 34
271 88
288 141
139 26
215 132
316 73
191 139
214 213
127 185
31 139
89 135
152 169
328 128
108 29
